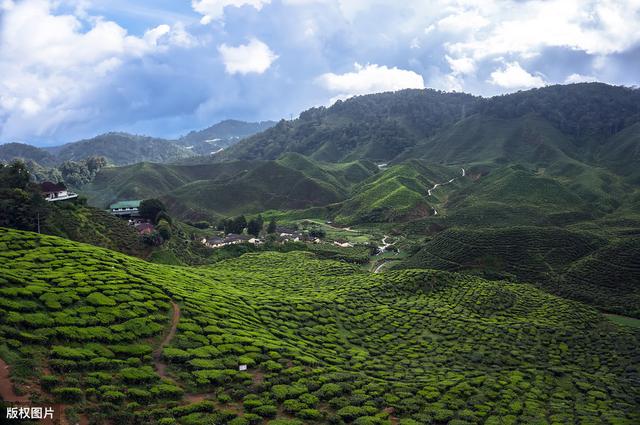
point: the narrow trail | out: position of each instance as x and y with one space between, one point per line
7 392
464 173
377 270
161 367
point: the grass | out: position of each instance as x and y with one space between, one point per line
324 341
625 321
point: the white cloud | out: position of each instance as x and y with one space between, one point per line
461 66
463 21
525 28
51 63
371 78
254 57
513 76
214 9
579 78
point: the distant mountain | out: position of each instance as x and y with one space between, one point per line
122 149
555 125
221 135
374 127
125 149
11 151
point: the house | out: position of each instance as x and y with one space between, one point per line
343 244
125 209
213 242
56 192
233 239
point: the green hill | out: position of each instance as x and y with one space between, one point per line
555 124
12 151
122 149
398 193
374 127
209 190
575 264
480 138
322 341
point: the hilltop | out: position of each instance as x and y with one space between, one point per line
591 123
322 342
119 148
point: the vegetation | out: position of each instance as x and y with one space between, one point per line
323 342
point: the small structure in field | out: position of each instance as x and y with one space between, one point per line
56 192
126 209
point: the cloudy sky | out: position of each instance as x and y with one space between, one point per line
71 69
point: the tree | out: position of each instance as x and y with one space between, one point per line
236 225
150 208
164 228
271 228
317 232
255 226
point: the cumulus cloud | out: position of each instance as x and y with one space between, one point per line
461 66
513 76
579 78
51 64
253 57
214 9
371 78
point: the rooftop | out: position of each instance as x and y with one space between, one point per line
125 204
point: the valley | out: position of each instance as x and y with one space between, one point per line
412 257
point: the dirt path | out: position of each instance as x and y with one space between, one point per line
157 354
7 392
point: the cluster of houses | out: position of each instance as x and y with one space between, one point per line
283 234
230 239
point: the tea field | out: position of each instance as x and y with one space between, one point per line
323 342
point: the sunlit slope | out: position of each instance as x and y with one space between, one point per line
399 193
323 341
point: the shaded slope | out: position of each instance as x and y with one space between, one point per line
210 190
374 127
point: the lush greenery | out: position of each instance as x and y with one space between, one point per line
323 342
216 190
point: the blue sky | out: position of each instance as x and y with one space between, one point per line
71 69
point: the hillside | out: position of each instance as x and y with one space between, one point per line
540 126
578 265
374 127
114 337
399 193
221 135
211 190
12 151
122 149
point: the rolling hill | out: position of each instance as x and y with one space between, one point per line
237 187
112 337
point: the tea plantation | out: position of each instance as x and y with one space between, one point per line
323 342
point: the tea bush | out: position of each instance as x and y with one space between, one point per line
323 342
